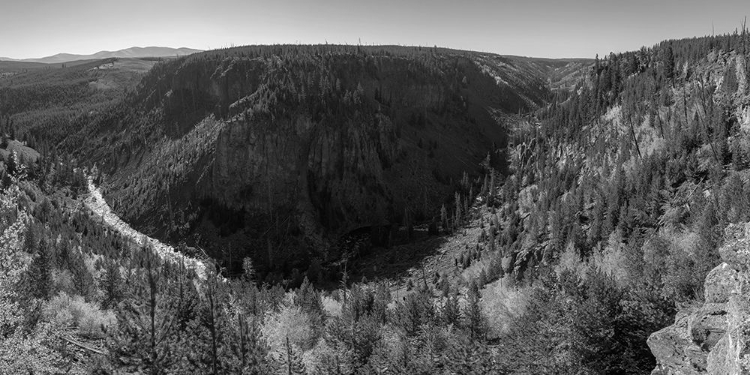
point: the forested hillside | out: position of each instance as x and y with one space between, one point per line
562 254
621 192
292 148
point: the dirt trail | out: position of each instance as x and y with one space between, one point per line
96 203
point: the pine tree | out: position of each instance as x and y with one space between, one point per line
444 219
212 313
451 312
246 349
147 338
294 362
457 221
12 165
482 278
492 240
248 271
111 284
309 299
473 319
41 271
491 189
414 311
253 348
82 279
669 63
485 187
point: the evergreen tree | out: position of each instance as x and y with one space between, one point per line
294 364
491 189
444 219
669 63
414 311
252 350
111 284
248 271
82 279
451 313
482 281
147 339
459 217
12 165
41 271
474 322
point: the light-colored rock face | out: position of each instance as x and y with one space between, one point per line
714 338
721 283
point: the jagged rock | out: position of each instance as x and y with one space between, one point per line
674 348
713 338
730 356
736 249
707 325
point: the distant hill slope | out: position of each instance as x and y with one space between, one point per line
45 105
133 52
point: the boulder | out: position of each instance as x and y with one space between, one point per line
674 349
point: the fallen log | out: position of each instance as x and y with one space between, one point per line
82 345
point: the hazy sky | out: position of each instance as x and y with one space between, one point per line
543 28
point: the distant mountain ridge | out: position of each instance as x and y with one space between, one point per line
132 52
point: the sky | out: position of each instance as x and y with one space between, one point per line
538 28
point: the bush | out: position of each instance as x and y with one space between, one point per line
502 304
74 311
331 306
290 322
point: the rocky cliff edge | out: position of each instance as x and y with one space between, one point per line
713 338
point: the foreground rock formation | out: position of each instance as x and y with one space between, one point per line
713 338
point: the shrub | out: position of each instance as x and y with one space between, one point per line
74 311
289 322
331 306
612 260
501 304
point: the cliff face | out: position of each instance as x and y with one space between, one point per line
713 338
335 178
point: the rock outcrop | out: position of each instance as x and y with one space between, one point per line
713 338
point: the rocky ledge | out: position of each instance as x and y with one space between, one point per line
713 338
